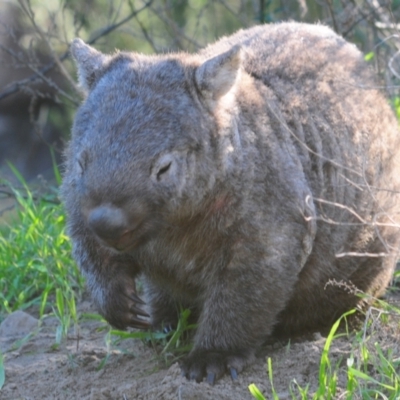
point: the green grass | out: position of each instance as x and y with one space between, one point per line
169 347
372 370
36 268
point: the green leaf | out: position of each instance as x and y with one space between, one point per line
55 167
369 56
362 375
270 375
2 371
256 392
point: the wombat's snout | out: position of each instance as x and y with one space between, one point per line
111 225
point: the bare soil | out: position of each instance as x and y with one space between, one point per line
36 369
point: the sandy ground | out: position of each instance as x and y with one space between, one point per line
36 369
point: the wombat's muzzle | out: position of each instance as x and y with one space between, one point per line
112 226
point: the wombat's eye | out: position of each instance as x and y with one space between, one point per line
80 165
82 161
163 170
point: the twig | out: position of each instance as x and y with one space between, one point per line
361 220
177 32
105 31
39 74
11 194
144 30
239 17
29 12
335 25
355 254
390 64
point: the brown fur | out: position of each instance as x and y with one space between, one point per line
232 179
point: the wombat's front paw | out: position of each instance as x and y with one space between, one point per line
213 364
135 311
124 310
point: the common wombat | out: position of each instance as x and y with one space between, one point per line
238 181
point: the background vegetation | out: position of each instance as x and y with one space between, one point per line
36 33
38 90
39 96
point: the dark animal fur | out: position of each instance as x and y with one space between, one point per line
232 179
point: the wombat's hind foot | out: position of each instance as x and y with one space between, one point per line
213 364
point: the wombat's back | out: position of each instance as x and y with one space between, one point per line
325 103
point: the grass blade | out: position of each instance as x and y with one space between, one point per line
2 371
256 392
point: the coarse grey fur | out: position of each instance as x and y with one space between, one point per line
238 181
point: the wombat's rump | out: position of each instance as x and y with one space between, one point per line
238 181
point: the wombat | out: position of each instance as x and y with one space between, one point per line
239 182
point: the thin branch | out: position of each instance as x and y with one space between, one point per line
361 220
144 31
239 16
261 15
105 31
6 193
335 25
30 14
40 73
391 67
355 254
177 32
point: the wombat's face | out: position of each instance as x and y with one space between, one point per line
141 155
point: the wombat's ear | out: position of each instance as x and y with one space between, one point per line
218 75
89 62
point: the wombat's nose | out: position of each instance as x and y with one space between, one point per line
107 222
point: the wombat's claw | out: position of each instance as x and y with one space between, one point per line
234 374
135 298
213 364
211 378
136 310
139 323
168 328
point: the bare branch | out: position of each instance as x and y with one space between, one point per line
177 32
40 73
31 16
355 254
108 29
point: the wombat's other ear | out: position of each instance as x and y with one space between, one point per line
218 75
89 62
